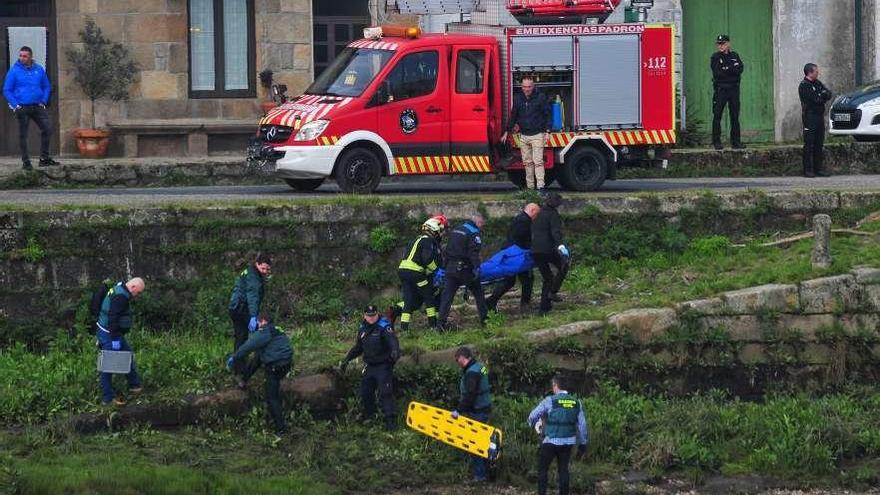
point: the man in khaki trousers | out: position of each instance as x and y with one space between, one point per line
530 117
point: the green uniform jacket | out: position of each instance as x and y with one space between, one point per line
247 294
271 345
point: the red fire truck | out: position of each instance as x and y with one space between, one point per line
398 102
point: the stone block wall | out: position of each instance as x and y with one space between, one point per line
815 335
156 33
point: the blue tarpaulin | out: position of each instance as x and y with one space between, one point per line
505 263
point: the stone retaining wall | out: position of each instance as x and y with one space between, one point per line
49 259
817 334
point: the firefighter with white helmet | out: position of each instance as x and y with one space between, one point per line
416 272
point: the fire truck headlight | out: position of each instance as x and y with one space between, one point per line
312 130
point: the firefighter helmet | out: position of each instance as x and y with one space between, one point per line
432 226
442 219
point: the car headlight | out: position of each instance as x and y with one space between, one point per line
312 130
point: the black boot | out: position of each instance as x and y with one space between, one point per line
26 164
48 162
390 423
432 322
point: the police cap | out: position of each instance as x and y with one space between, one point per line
722 38
371 310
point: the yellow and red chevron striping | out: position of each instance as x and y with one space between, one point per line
614 138
441 164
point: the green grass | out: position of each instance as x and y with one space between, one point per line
803 441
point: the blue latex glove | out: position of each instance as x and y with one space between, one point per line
116 345
563 251
252 325
229 362
455 415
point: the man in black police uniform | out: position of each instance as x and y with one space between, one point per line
520 234
813 95
727 69
380 348
463 268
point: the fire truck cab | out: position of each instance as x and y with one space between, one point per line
398 102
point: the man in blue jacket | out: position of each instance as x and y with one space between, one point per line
380 349
27 91
560 418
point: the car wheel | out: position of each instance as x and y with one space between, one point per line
358 171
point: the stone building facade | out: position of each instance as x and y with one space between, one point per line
158 35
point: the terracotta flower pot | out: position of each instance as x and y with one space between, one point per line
267 105
92 143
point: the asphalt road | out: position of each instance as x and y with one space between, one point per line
416 187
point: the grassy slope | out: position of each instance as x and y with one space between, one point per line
189 359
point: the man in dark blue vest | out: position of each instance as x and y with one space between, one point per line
379 346
114 321
474 402
463 268
561 419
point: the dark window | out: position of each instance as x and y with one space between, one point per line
320 32
340 8
469 73
221 49
414 75
24 8
331 34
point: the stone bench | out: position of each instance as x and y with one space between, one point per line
195 132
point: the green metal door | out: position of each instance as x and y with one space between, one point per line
750 26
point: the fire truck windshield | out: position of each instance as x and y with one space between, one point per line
351 72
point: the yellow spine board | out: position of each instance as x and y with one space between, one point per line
463 433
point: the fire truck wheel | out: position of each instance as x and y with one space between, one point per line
358 171
304 185
584 170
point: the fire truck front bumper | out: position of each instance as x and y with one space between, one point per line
306 162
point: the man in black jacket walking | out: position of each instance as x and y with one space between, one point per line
520 234
548 249
813 95
727 68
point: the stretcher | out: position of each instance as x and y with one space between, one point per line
463 433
